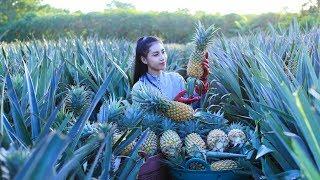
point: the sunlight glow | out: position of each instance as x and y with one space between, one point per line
209 6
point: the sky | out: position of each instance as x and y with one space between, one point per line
209 6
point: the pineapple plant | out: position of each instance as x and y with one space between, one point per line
88 130
236 135
223 165
201 40
217 140
11 161
174 110
130 119
170 142
110 110
78 99
193 141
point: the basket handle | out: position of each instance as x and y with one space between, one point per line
197 160
212 154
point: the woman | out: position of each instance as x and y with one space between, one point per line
150 63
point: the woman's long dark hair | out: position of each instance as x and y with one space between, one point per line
142 50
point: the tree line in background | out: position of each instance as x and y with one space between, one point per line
25 19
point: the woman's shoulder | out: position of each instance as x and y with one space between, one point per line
137 85
173 74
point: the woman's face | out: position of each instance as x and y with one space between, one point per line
156 58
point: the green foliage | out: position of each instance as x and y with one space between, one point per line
12 10
282 102
130 24
269 80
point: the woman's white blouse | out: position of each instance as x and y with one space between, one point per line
168 84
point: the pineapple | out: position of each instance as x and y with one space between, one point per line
150 145
130 119
217 140
193 141
170 142
88 130
222 165
78 99
126 151
235 135
64 121
197 166
202 39
11 161
176 111
151 120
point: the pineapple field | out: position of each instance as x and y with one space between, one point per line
68 110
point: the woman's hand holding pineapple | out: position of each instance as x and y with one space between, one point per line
198 89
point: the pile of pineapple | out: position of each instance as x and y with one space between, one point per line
181 136
180 141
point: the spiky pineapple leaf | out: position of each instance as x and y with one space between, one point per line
35 121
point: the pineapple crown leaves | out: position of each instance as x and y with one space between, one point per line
203 37
189 127
211 121
151 120
145 96
78 98
88 129
216 118
236 125
167 124
132 116
110 110
63 118
12 160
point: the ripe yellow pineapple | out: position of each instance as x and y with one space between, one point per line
202 39
236 135
170 142
176 111
217 140
150 145
126 151
193 141
226 164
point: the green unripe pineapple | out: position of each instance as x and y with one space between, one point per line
78 99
